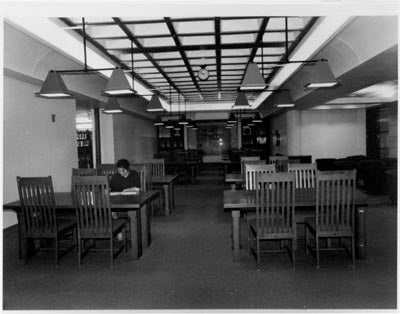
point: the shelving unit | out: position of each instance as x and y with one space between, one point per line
85 149
169 140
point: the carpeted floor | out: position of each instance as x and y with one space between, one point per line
189 266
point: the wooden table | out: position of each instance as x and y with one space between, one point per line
240 201
189 168
167 181
234 179
134 205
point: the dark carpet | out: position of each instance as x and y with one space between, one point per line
189 266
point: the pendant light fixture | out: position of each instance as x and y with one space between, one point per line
321 76
54 87
118 83
158 121
182 117
112 106
283 98
155 104
253 80
231 119
241 100
257 118
169 124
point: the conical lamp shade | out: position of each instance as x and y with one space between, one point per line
257 118
284 99
155 104
54 87
182 120
241 100
112 106
118 84
253 79
232 118
158 122
190 123
321 76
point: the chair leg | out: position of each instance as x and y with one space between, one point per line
26 251
111 252
56 251
306 239
293 252
79 252
353 252
317 250
258 254
126 238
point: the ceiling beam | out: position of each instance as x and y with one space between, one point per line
199 47
218 49
181 51
141 50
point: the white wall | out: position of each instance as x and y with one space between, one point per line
333 133
135 138
320 133
33 145
107 138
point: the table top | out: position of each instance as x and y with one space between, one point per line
246 199
165 179
118 202
234 178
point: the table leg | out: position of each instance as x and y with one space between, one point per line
136 233
193 174
167 199
172 187
145 226
360 236
235 234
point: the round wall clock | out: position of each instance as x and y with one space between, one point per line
203 73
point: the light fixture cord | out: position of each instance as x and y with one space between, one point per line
84 42
287 39
133 78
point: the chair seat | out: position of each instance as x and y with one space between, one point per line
117 226
65 225
310 223
271 233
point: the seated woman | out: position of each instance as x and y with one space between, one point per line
125 180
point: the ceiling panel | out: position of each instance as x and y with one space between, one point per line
169 51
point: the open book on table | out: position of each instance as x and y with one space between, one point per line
124 193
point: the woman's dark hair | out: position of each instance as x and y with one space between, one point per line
123 163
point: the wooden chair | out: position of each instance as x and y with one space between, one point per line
280 162
304 175
40 219
334 216
82 172
106 170
157 167
251 171
244 159
274 219
93 211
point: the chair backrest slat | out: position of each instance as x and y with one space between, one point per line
143 169
157 167
244 159
280 162
304 175
93 208
36 196
84 172
251 171
275 203
335 201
